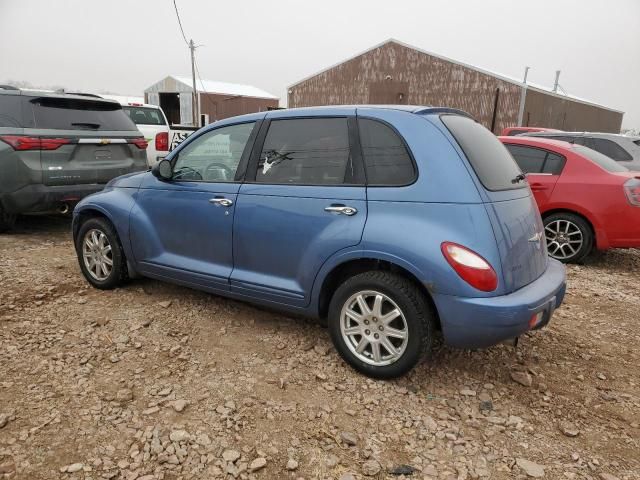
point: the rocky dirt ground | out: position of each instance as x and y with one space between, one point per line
154 381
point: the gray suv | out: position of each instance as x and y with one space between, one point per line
621 148
56 148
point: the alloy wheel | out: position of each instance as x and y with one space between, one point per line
564 239
374 328
97 254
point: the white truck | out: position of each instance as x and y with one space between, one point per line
152 123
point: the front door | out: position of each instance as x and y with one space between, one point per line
183 228
303 202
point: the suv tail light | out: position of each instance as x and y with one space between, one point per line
632 191
141 143
19 142
471 267
162 142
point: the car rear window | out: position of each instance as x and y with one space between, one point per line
79 114
605 162
10 111
145 115
489 158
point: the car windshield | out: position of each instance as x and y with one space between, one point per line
603 161
144 115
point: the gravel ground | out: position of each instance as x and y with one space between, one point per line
154 381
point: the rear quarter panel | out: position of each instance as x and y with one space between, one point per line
406 225
595 194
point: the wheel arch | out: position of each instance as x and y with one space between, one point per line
599 236
354 266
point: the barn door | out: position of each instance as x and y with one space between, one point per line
389 92
186 104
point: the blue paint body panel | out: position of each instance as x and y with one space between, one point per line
276 244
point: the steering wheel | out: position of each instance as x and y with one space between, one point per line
216 167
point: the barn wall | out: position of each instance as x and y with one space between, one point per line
415 78
552 111
224 106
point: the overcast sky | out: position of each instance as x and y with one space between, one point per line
124 46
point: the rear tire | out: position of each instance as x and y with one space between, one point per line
569 237
100 254
7 221
380 323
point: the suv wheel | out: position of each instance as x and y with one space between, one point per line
100 255
380 324
6 221
569 237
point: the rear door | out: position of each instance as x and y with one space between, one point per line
303 201
99 140
542 167
511 207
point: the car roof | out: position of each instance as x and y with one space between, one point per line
27 92
538 142
579 134
417 109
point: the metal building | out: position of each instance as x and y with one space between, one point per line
397 73
217 100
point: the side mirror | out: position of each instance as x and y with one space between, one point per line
163 170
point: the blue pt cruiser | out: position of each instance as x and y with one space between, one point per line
388 222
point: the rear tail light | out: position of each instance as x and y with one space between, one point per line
21 143
535 319
162 142
632 191
141 143
471 267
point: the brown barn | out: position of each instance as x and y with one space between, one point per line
217 100
396 73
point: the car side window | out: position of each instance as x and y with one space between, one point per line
10 111
610 149
530 160
213 156
386 158
536 160
553 164
306 151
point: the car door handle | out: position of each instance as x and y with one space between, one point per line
341 209
537 187
225 202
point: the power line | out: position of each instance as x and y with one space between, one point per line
180 22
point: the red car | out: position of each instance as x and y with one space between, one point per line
510 131
586 199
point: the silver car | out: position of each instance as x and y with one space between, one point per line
621 148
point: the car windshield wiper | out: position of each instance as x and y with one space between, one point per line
93 126
519 178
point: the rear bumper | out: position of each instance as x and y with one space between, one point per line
43 198
482 322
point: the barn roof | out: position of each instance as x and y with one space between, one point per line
212 86
501 76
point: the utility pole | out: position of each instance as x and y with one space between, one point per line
195 103
526 74
556 84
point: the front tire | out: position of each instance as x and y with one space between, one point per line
569 237
100 254
380 323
